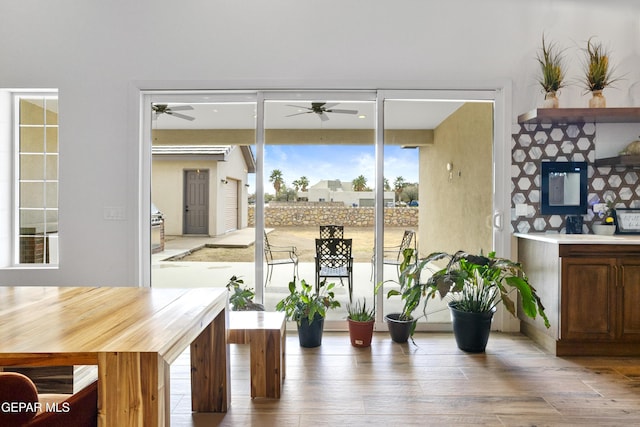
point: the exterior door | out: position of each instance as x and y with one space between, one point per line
231 205
196 202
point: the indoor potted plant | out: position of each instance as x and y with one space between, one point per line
308 309
241 298
361 321
402 325
607 225
598 74
552 74
476 284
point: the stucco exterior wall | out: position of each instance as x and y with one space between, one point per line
167 190
457 208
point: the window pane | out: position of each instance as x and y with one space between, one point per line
31 139
51 189
51 114
52 140
31 194
52 167
31 111
31 166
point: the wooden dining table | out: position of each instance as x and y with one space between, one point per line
132 335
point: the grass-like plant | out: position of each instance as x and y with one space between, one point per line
359 312
598 72
551 60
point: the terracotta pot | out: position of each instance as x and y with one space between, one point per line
360 333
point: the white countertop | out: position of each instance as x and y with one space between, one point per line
581 239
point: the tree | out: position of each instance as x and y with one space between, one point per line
398 186
301 183
360 183
276 179
387 186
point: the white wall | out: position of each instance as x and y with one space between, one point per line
99 54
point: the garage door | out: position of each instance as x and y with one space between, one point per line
231 205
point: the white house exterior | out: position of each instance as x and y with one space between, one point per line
201 189
333 190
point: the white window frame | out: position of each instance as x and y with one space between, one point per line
17 208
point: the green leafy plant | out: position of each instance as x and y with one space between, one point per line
478 283
551 66
410 291
306 303
241 298
598 73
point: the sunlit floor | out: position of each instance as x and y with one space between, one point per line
514 383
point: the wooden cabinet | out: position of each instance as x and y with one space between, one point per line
591 293
600 299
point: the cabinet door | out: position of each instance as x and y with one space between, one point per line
629 302
588 298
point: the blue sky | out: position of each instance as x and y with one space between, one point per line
343 162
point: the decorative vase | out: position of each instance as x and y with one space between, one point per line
550 100
471 330
597 100
310 334
400 330
360 333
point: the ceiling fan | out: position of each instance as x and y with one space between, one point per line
165 109
321 108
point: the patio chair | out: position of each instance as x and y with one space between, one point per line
392 255
331 232
333 259
279 255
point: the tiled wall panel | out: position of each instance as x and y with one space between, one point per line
533 143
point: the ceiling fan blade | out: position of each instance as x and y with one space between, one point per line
298 106
323 117
181 108
297 114
343 111
328 106
181 116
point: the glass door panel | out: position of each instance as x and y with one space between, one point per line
319 169
438 168
203 192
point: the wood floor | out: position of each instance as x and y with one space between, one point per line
514 383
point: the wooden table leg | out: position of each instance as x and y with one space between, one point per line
133 390
210 390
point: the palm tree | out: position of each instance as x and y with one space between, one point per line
276 179
387 186
398 186
301 183
360 183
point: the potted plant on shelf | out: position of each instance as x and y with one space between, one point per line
241 298
361 321
476 284
402 325
308 309
598 74
552 74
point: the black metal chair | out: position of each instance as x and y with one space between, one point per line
392 255
334 260
331 232
279 255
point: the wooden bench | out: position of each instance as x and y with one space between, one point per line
265 332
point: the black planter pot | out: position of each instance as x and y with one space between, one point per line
310 334
400 330
471 330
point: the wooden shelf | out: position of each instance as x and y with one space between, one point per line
629 160
581 115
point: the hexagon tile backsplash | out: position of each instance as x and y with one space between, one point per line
533 143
